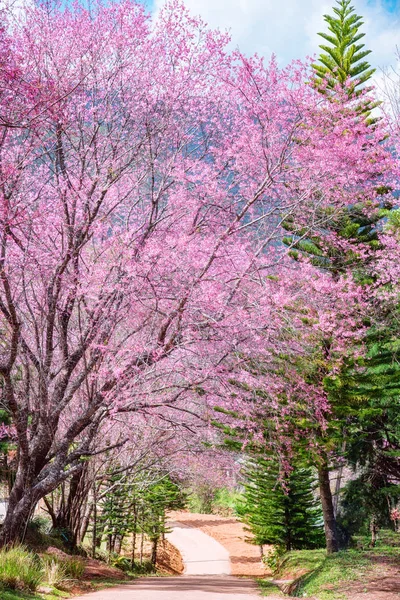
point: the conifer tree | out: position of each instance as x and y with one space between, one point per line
281 509
129 497
343 58
341 66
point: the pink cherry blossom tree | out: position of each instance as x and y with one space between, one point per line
141 201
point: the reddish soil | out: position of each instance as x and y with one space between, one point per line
228 531
94 569
169 559
383 583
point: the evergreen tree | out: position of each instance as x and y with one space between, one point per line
281 510
158 498
371 426
342 66
343 59
133 506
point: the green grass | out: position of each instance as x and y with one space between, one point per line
331 572
15 595
20 569
267 588
300 561
96 585
323 576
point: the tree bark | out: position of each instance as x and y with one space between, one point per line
94 530
374 531
332 544
154 551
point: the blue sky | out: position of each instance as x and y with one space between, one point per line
392 5
289 27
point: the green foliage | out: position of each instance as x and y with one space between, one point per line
227 501
125 564
281 509
74 568
343 58
202 500
222 501
370 389
273 559
387 541
352 225
135 506
158 498
19 569
364 500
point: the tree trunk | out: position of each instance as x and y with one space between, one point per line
15 522
84 525
22 500
141 548
154 551
69 515
134 536
338 484
374 531
331 536
94 530
118 544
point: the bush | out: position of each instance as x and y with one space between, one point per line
41 525
20 569
226 502
209 500
201 500
125 564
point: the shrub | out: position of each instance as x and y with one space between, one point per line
146 568
125 564
20 569
41 524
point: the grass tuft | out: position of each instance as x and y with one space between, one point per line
19 569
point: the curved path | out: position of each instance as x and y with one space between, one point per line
207 568
202 555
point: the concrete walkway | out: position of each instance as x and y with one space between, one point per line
202 555
207 569
208 587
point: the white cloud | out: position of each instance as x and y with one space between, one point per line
289 27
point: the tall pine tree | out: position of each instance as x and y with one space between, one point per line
342 60
281 509
341 68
